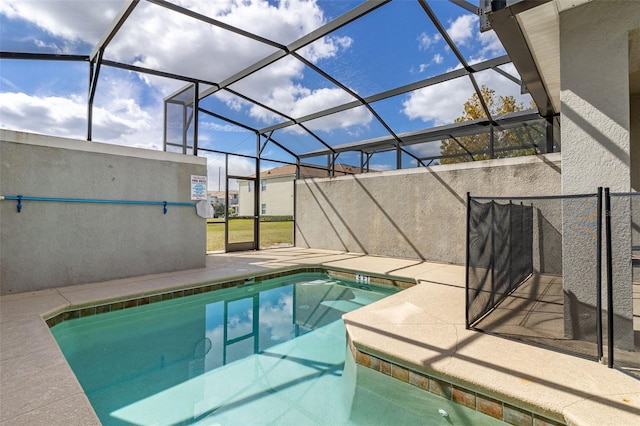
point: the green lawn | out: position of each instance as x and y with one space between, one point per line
271 233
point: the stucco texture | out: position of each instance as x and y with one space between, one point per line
50 244
412 213
596 145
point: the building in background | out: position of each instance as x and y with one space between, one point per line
276 188
217 197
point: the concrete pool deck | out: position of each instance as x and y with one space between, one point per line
421 328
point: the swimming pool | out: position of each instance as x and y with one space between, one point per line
272 352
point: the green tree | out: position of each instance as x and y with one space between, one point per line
478 144
218 209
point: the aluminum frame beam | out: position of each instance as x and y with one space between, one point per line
393 141
43 56
445 35
324 30
465 128
467 6
116 24
460 72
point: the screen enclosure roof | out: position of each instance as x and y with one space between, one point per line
319 78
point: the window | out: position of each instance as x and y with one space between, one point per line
263 184
263 209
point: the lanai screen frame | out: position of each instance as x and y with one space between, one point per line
395 142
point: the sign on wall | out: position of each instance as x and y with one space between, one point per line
198 187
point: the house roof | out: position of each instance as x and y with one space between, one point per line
308 171
221 194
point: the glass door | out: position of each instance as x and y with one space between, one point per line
241 225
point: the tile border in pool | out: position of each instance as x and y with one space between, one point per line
493 407
489 406
72 312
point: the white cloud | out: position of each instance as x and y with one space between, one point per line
325 48
428 149
183 46
156 38
353 120
491 43
444 102
462 29
48 45
278 88
440 103
502 85
283 21
122 121
72 20
222 127
425 41
436 59
276 320
380 167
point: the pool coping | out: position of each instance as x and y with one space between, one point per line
80 310
38 387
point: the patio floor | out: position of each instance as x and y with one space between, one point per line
534 313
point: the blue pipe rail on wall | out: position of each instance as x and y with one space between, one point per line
21 198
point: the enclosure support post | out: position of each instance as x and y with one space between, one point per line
93 82
256 203
607 215
164 128
492 153
196 109
226 201
184 129
549 129
467 262
599 274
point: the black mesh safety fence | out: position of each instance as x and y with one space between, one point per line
625 232
558 271
500 252
515 268
621 300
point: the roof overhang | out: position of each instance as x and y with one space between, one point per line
530 32
533 46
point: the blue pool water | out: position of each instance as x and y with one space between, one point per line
267 353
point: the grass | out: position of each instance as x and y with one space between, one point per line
271 233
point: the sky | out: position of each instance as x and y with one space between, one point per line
394 45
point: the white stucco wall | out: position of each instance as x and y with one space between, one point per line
52 244
246 197
278 196
412 213
596 143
